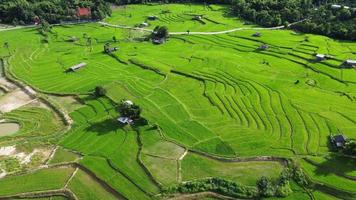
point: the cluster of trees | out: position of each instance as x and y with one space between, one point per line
53 11
265 186
131 111
270 12
217 185
337 23
350 148
320 17
160 32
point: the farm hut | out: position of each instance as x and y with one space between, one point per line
320 57
110 49
152 18
144 24
198 17
128 102
257 34
77 67
339 140
264 47
350 63
125 120
158 40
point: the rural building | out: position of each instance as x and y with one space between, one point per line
77 67
125 120
321 57
258 34
339 140
158 40
152 18
83 12
350 63
144 24
110 49
264 47
198 17
128 102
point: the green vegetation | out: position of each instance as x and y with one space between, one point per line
247 173
215 185
61 155
36 181
207 100
319 16
84 187
26 11
34 121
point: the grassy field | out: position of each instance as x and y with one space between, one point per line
247 173
37 181
84 187
61 155
34 122
215 94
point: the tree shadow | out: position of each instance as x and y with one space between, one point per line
104 127
335 164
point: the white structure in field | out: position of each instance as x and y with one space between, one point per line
125 120
77 67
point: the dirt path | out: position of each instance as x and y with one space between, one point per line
200 33
179 165
71 177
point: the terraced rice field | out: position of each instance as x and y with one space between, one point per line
212 99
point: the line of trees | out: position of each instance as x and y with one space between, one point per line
321 17
19 12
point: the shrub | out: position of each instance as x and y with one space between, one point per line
99 91
265 187
217 185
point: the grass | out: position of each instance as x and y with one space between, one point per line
34 121
37 181
63 155
247 173
216 94
323 175
85 187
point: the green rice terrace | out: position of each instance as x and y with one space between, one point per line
229 110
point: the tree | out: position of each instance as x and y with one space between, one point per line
90 43
265 187
7 46
160 32
350 148
114 38
132 111
100 91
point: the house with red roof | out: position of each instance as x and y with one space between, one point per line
83 12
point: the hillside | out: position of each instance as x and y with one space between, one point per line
224 109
